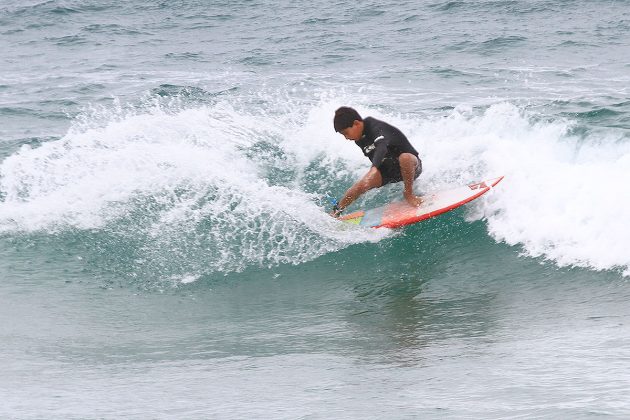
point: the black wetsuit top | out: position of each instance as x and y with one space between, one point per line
383 144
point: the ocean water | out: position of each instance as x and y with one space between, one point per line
165 248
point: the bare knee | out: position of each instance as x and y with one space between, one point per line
408 160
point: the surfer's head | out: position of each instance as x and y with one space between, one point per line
349 123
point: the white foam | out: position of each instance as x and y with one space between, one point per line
210 207
563 198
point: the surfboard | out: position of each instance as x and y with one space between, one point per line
400 213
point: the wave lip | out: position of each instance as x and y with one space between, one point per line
218 188
175 193
563 196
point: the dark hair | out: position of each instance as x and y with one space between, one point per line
345 117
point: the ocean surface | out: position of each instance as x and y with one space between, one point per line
165 175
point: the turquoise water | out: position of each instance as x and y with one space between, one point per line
165 248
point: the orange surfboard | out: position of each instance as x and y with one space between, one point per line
401 213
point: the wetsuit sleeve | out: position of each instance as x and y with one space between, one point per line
380 151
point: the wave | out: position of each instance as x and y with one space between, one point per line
562 198
181 192
188 191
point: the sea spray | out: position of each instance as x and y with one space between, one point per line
187 191
564 197
231 185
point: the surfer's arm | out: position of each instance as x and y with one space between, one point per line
372 179
380 151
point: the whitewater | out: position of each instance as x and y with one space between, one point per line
179 170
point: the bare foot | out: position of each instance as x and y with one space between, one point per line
413 200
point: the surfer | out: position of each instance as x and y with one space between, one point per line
393 158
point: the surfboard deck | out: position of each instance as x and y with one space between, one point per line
400 213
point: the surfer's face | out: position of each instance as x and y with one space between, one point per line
354 132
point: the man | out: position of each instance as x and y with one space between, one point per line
393 158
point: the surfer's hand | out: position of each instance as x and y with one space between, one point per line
413 200
336 211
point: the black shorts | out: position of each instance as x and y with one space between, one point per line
390 171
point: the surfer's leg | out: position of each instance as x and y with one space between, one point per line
408 168
372 179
